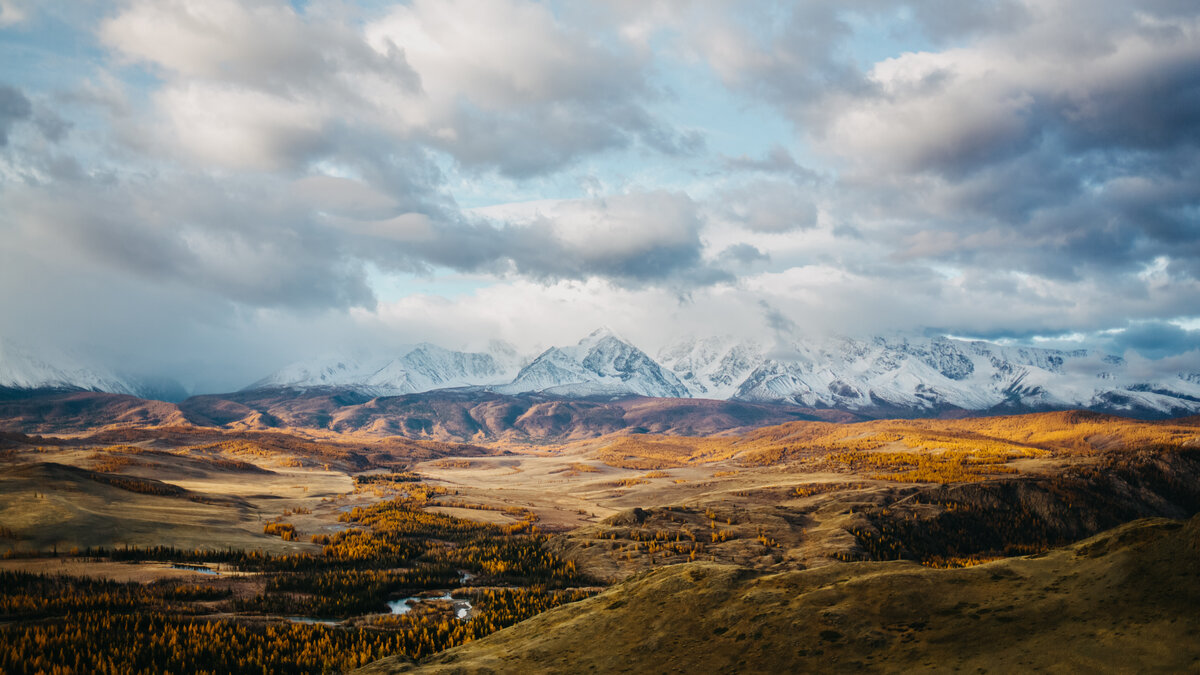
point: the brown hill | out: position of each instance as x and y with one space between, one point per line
67 411
462 416
45 505
1124 601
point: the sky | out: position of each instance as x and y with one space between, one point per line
209 189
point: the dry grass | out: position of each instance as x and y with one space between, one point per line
1054 612
906 450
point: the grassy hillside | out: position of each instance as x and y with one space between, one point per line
911 450
1124 601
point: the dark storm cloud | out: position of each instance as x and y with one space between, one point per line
629 239
1064 145
777 161
52 127
14 107
742 254
1156 339
1056 138
947 21
1059 225
776 320
537 140
192 235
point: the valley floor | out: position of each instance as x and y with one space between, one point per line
1123 601
801 546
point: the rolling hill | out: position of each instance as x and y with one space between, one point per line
1123 601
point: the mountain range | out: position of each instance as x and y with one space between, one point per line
876 376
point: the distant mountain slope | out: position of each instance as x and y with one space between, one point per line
875 377
422 368
928 376
447 415
24 368
1123 601
68 411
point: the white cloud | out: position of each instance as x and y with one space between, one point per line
498 85
610 227
13 12
242 128
501 54
215 39
951 110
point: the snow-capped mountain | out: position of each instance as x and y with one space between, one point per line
333 370
873 376
601 364
22 368
926 375
423 368
431 367
712 367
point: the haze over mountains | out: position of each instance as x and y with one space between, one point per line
23 368
872 376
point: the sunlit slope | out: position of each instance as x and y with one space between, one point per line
46 506
1124 601
936 450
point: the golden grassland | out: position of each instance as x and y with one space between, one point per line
782 498
938 451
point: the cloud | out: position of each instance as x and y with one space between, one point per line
263 45
629 238
189 231
953 111
742 254
1029 134
527 99
242 128
247 89
13 12
14 107
1156 339
777 161
245 171
768 206
1184 364
1062 144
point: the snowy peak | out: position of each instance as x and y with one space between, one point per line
334 370
926 375
712 367
876 376
22 368
429 367
873 376
422 368
599 335
601 364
